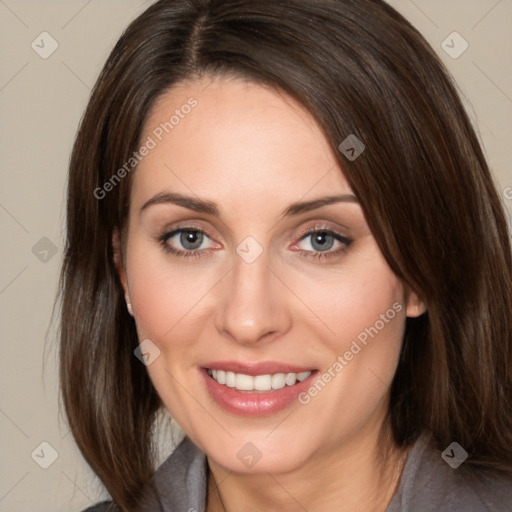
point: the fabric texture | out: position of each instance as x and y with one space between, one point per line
427 484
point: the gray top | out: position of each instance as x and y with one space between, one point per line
427 484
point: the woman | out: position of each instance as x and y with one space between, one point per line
282 231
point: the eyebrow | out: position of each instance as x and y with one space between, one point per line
211 208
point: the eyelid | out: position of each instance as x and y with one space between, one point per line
186 226
319 227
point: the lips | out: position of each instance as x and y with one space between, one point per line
255 389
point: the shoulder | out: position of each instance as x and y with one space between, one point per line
429 483
104 506
180 483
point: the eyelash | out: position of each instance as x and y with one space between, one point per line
319 255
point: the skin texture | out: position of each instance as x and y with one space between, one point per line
254 151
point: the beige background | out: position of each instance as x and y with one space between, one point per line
41 102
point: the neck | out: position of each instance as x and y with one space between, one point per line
361 482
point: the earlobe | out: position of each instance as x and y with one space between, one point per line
118 263
415 305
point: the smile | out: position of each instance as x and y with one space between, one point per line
255 389
267 382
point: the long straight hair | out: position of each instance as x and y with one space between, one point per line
424 185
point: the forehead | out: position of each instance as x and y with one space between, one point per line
239 143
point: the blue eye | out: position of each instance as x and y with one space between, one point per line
192 239
322 241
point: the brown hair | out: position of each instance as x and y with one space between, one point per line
360 68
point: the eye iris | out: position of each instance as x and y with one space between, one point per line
320 239
188 238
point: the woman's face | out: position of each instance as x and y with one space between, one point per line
250 293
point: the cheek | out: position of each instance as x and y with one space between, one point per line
363 314
168 301
366 349
163 295
358 301
373 308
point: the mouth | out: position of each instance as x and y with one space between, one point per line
257 389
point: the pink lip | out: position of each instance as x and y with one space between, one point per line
257 403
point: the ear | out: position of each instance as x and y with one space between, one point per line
415 304
119 265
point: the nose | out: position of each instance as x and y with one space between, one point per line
253 305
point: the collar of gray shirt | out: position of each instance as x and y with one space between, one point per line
430 482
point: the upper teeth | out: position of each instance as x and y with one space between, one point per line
267 382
